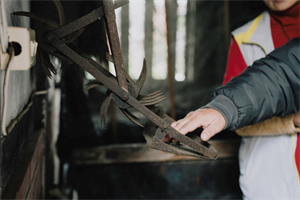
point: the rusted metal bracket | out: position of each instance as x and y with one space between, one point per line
55 39
113 35
189 145
196 148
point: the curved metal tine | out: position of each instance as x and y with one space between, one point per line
92 84
44 67
59 55
76 35
110 58
134 89
151 99
46 64
38 18
149 95
131 117
104 108
153 102
147 98
61 13
141 80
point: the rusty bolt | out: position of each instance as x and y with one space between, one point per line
165 125
125 96
49 38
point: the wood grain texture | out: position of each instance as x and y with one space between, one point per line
28 176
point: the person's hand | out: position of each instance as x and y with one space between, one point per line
209 119
296 119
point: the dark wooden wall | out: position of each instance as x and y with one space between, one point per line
15 143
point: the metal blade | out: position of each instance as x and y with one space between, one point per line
150 97
141 80
153 102
44 67
104 108
131 117
46 64
61 13
151 94
134 88
92 84
76 35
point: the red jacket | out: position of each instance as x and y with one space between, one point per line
284 27
290 21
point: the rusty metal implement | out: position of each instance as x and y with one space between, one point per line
56 39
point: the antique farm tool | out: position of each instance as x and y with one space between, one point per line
56 39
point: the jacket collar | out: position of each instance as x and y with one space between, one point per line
259 33
287 17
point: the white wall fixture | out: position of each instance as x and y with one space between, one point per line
23 40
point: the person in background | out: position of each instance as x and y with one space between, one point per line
268 88
267 164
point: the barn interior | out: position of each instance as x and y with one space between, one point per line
54 142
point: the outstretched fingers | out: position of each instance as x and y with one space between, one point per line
187 124
209 119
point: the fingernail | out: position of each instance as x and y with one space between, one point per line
204 137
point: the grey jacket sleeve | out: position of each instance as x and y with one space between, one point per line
268 88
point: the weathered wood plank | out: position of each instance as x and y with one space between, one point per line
14 144
190 40
148 42
133 153
25 172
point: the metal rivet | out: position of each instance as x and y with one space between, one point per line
125 96
49 38
165 125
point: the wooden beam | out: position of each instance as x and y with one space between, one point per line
29 171
148 42
227 22
190 40
141 152
171 57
